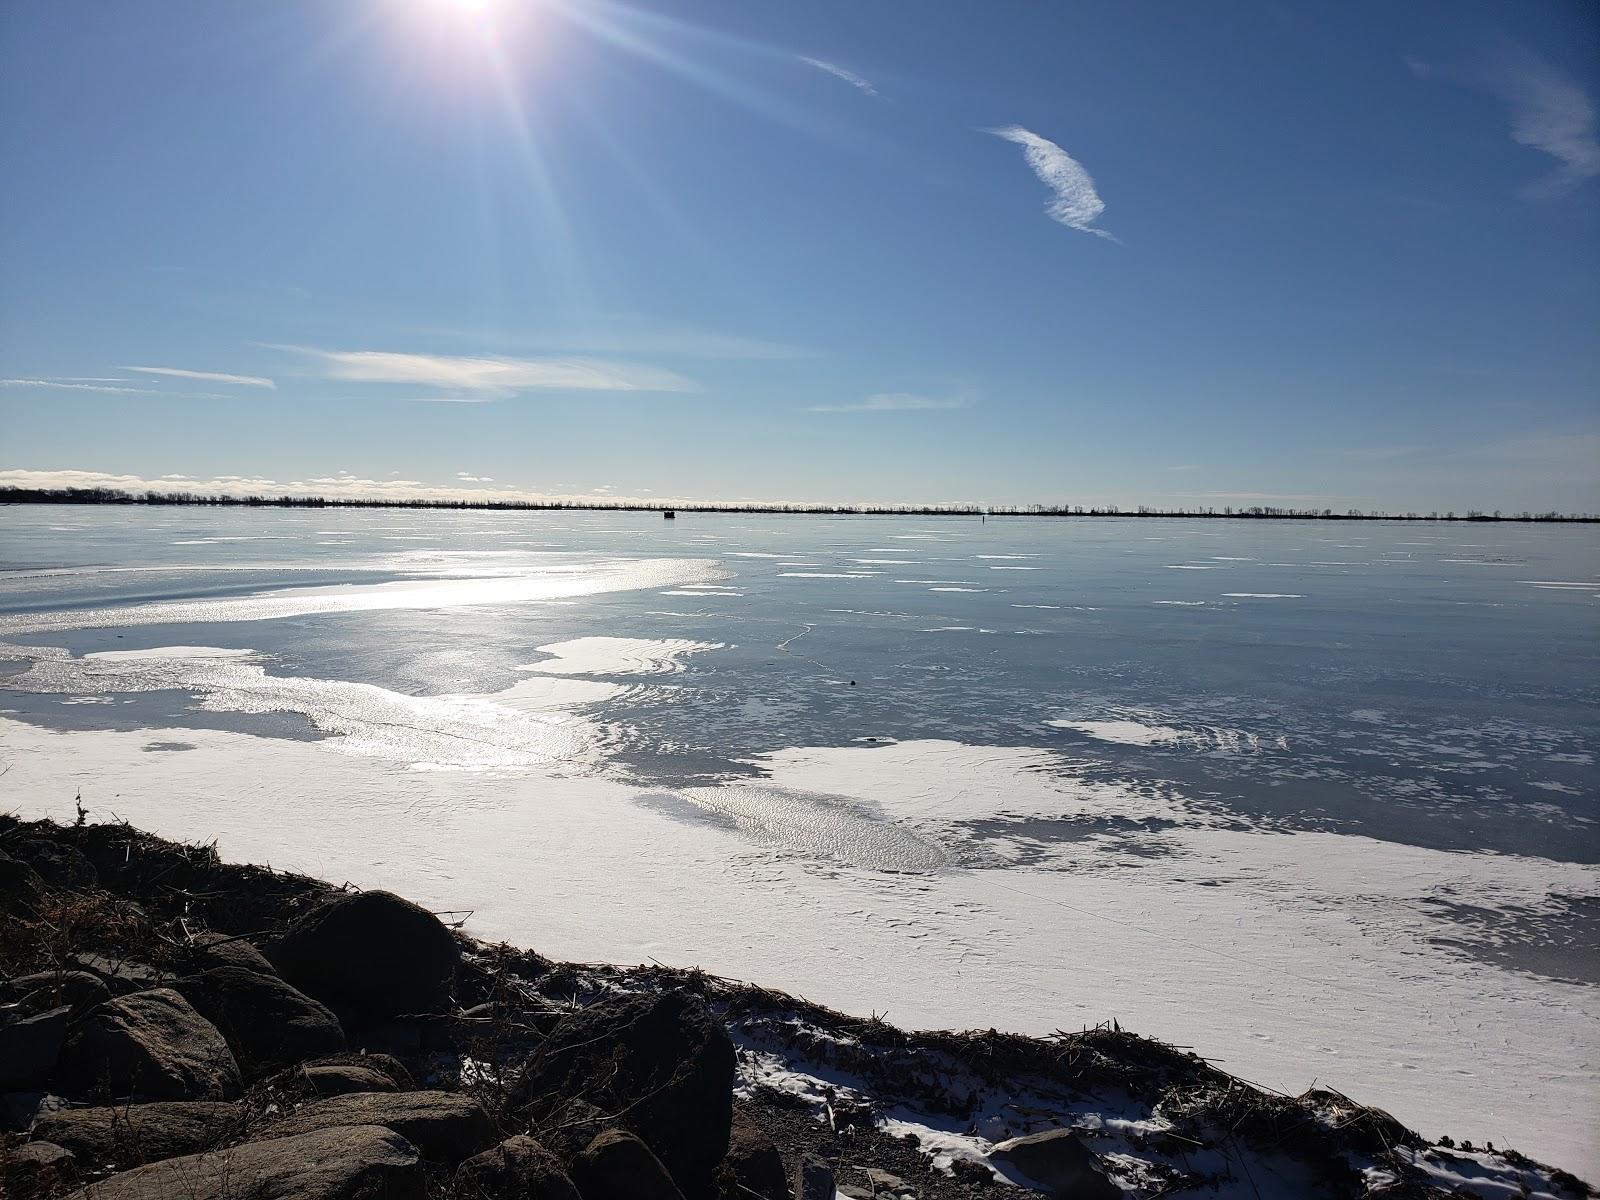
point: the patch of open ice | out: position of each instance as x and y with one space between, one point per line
1127 733
517 586
619 656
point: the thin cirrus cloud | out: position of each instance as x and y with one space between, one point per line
472 379
856 81
1075 203
257 381
893 402
1552 113
77 385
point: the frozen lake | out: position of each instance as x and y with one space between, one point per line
1317 799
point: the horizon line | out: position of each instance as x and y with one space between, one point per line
13 494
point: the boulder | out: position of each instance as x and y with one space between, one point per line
813 1179
370 955
364 1162
754 1160
267 1023
121 975
207 950
37 1169
618 1166
128 1135
1058 1162
390 1068
34 993
662 1060
519 1168
29 1048
339 1079
443 1126
150 1044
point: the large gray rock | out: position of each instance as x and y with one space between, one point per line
370 955
121 975
1058 1161
519 1168
813 1179
618 1166
340 1079
364 1162
267 1023
663 1061
754 1160
129 1135
207 950
30 1046
34 993
443 1126
37 1169
151 1044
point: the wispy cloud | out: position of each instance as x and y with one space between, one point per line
1552 113
76 385
838 72
1377 454
468 477
478 379
205 376
893 402
1076 204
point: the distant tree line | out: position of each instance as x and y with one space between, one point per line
102 495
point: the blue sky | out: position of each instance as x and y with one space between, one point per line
1222 253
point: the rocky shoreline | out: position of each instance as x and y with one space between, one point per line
175 1026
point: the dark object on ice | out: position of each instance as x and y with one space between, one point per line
1057 1160
332 1164
443 1126
370 955
661 1060
618 1166
669 514
130 1135
519 1168
152 1044
267 1023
